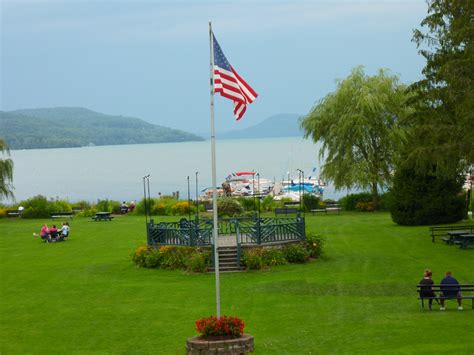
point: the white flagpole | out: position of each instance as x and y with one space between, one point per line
214 183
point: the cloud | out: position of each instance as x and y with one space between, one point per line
151 20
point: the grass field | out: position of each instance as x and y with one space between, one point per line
85 295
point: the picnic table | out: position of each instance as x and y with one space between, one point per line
464 240
453 236
102 216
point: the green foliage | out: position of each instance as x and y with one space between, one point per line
30 129
310 202
227 206
268 204
273 257
314 245
252 258
442 129
419 198
296 253
40 207
103 206
6 172
198 261
358 126
349 202
172 258
247 203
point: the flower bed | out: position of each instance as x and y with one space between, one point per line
220 336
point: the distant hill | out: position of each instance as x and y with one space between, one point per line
64 127
282 125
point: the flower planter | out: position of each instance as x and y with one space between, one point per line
200 346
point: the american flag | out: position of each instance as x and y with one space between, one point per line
229 84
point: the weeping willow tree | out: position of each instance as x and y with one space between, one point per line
6 172
359 127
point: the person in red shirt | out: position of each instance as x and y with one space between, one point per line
53 232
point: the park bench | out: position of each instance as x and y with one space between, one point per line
55 215
319 210
444 230
328 208
467 292
13 213
285 211
334 207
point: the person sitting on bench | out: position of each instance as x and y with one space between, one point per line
450 291
426 290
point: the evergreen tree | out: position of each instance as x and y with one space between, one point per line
443 125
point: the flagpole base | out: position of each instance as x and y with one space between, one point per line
236 346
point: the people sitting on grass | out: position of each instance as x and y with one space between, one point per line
44 233
53 232
427 290
450 290
65 230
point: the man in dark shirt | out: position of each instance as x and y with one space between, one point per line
450 290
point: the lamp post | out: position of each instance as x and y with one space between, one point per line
146 177
258 189
300 174
197 198
189 201
253 192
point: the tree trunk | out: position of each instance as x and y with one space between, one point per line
375 196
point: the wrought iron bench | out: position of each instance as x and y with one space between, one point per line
285 211
465 288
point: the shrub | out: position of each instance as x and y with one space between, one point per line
314 245
247 203
310 202
425 198
296 253
252 258
180 208
40 207
139 257
224 326
349 202
273 257
268 204
365 206
228 206
198 261
103 206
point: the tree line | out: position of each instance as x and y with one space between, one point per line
417 141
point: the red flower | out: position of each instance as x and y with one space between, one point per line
224 326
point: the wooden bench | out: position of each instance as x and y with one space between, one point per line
319 210
13 213
443 231
285 211
467 292
55 215
333 208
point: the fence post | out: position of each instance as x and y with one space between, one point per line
259 234
237 236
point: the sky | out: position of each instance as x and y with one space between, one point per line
150 59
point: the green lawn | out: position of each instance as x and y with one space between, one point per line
86 296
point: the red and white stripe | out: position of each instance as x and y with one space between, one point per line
230 85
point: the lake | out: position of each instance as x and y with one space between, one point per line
116 172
